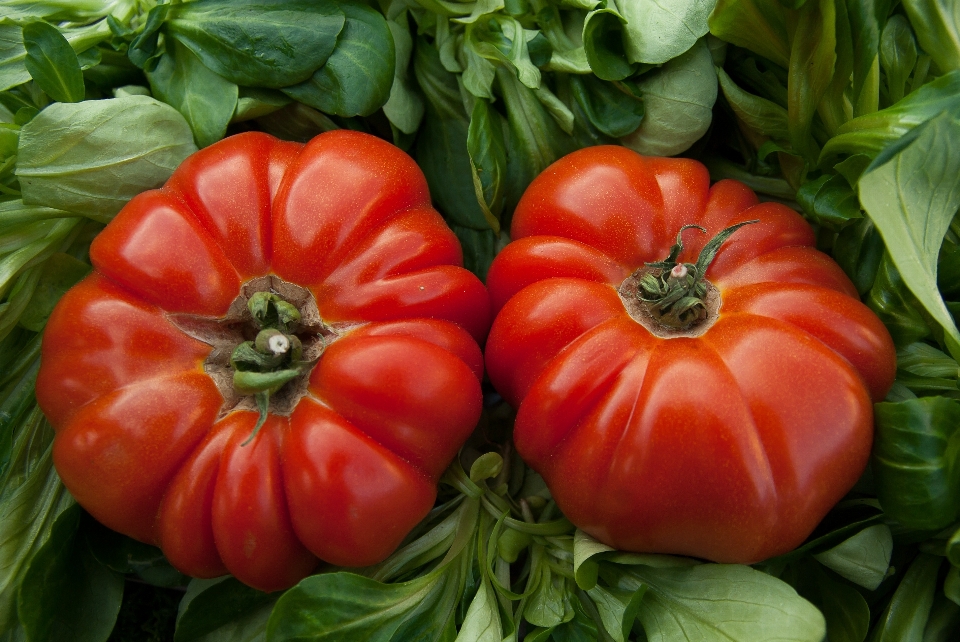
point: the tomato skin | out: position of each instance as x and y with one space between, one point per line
729 446
144 439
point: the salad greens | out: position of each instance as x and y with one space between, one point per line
848 110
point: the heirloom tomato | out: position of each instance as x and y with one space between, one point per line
274 360
717 417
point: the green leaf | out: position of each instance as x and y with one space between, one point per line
937 23
916 461
479 73
924 360
31 498
143 49
535 139
812 59
948 270
722 602
899 310
67 10
206 99
911 198
611 110
829 201
951 585
214 605
356 79
126 555
585 566
763 117
503 39
603 44
678 104
441 148
405 106
846 612
60 273
944 622
756 25
81 158
13 72
853 167
905 617
677 25
17 263
866 20
482 622
898 55
254 103
261 43
343 606
488 160
479 248
863 558
549 603
617 609
871 133
66 594
52 63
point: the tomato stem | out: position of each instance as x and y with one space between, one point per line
675 295
262 366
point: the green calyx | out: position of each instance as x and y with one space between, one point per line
675 295
262 366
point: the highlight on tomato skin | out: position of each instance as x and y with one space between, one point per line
275 359
691 375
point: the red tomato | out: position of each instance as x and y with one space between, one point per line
730 445
151 441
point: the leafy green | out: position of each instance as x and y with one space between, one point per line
764 117
405 106
263 43
895 305
846 612
90 158
603 44
677 26
66 593
829 201
31 499
871 133
441 149
52 63
356 78
205 99
13 53
721 602
812 60
898 55
863 558
916 461
612 110
338 606
906 615
210 607
58 274
488 160
756 25
937 23
678 101
911 193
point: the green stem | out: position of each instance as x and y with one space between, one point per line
675 296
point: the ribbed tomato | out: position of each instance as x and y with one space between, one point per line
727 434
273 362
